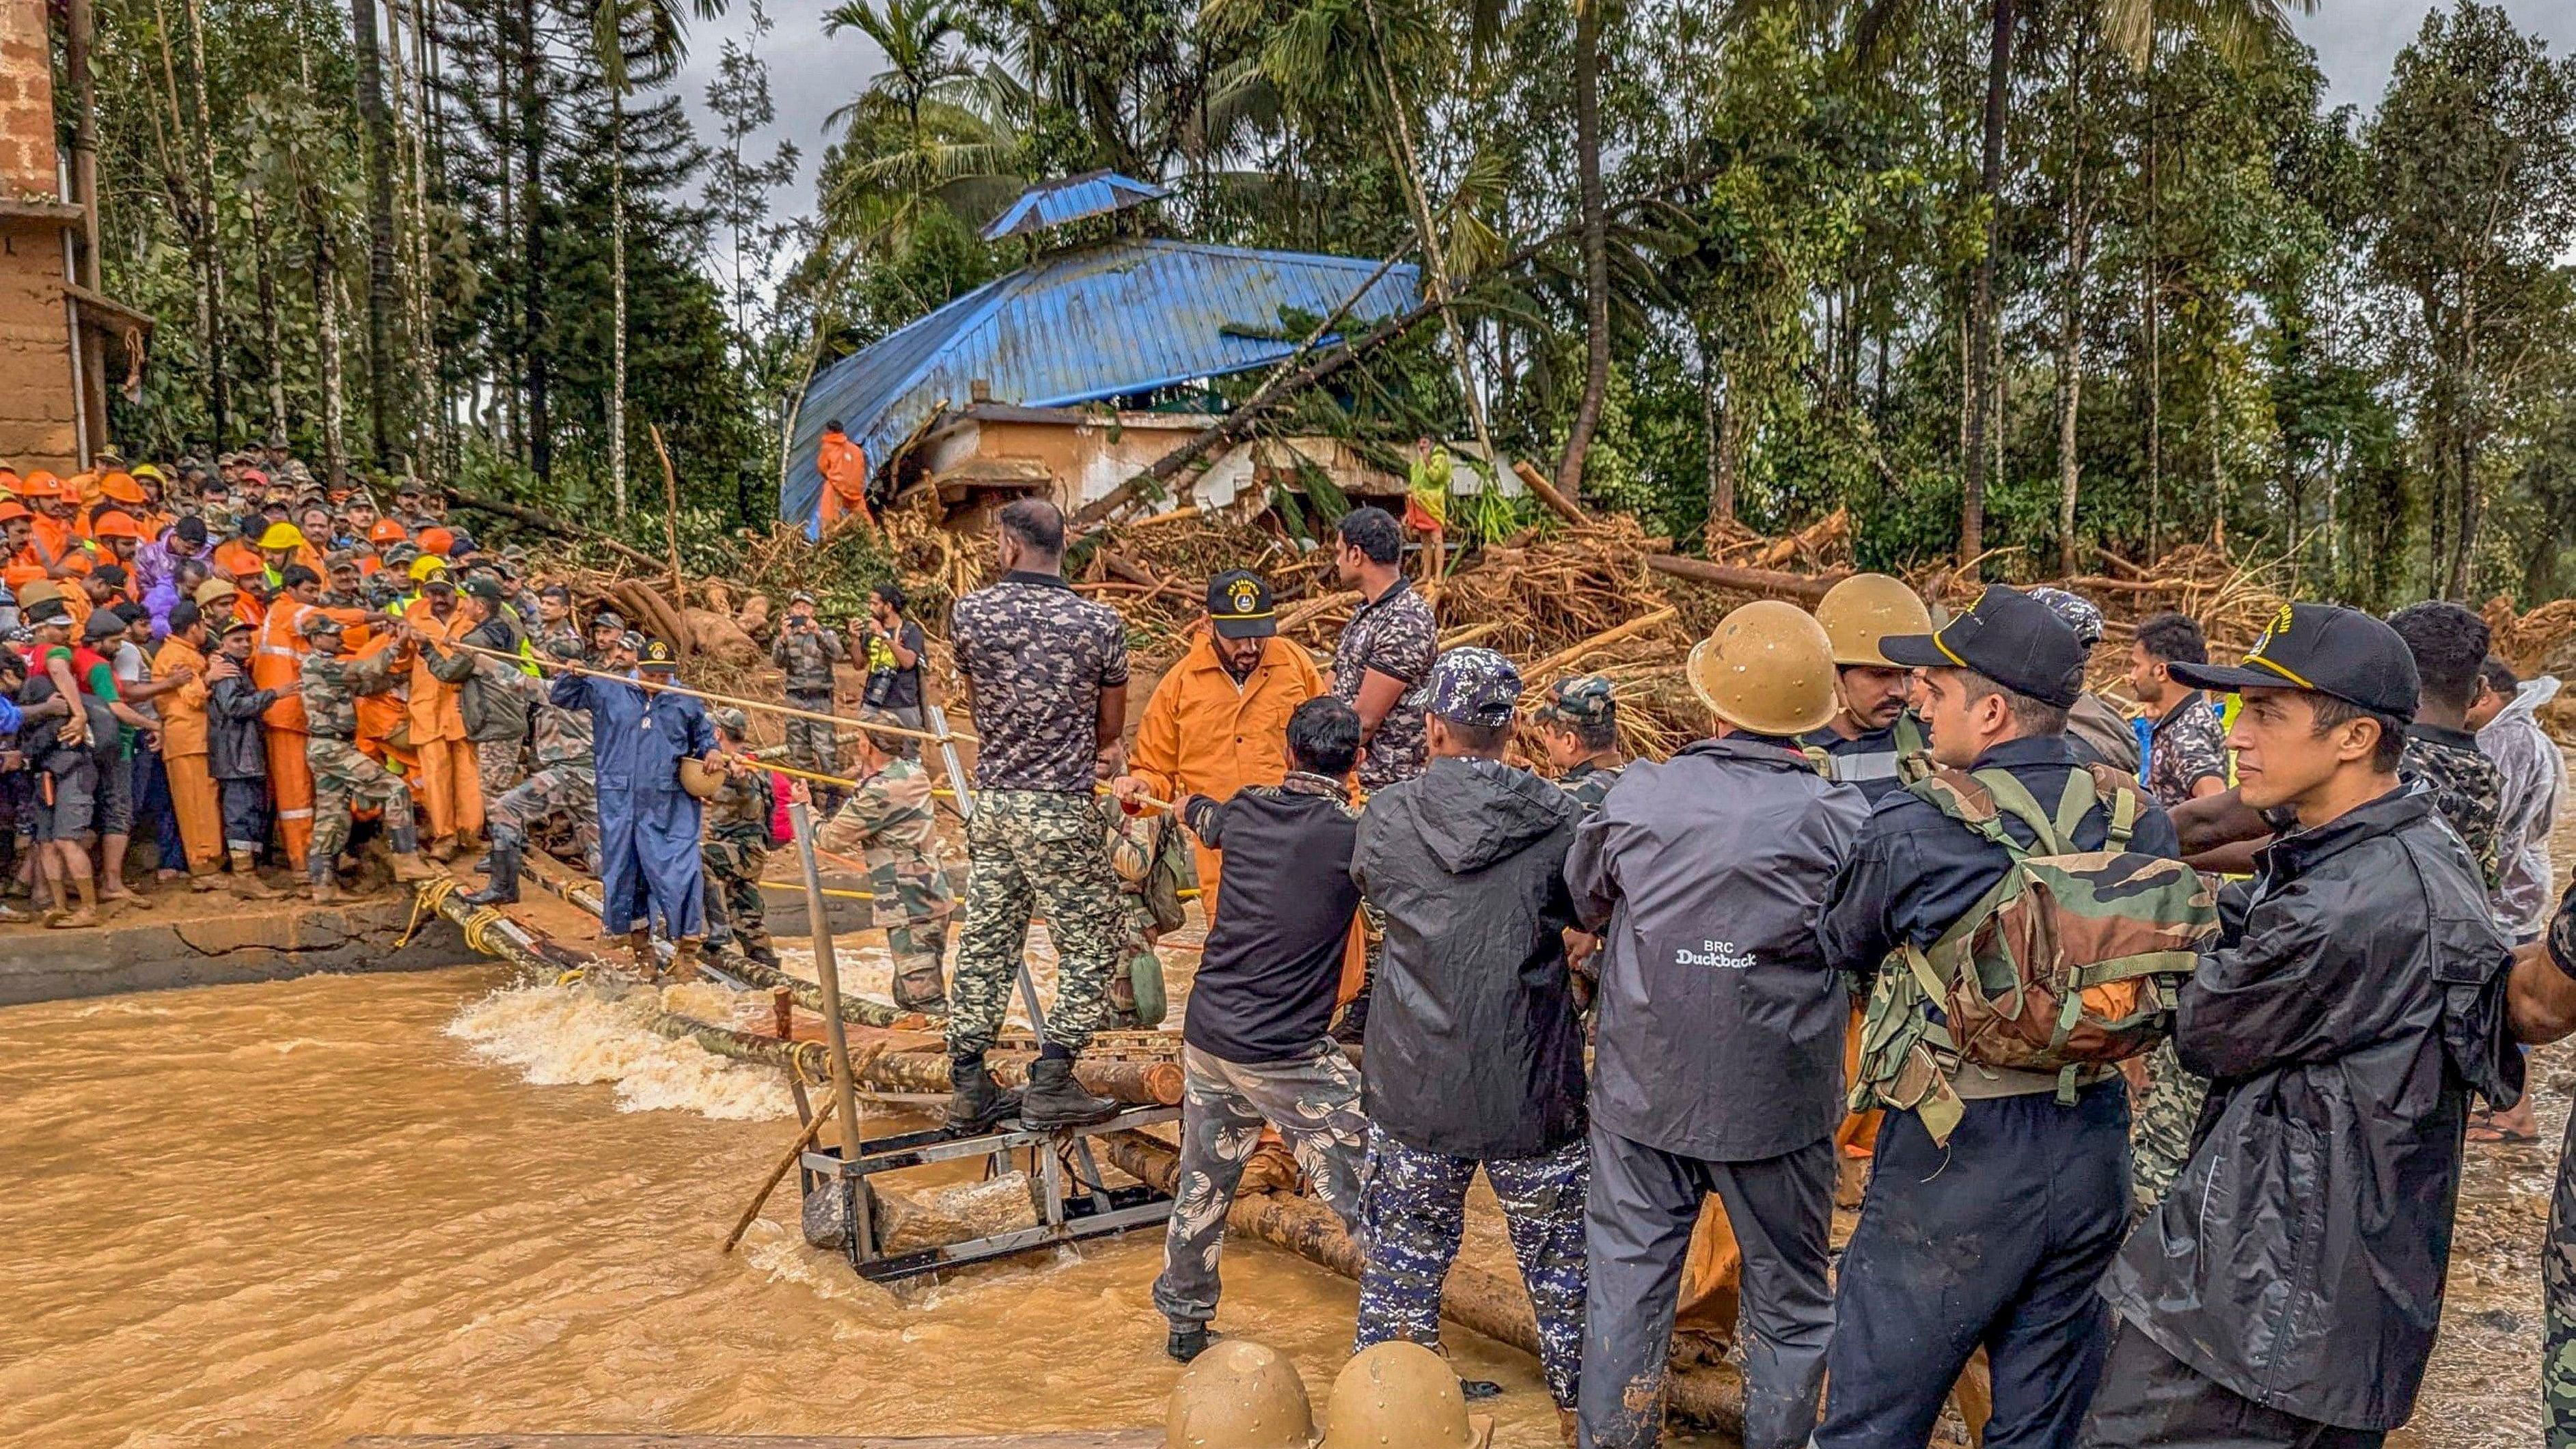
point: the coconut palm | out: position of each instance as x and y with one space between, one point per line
932 127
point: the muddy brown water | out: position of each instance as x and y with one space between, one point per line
289 1213
294 1212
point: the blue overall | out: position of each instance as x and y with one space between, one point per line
648 826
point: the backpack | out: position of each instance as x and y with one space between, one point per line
2069 961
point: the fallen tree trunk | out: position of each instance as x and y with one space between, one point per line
548 523
1708 1395
1537 482
1137 1084
1547 667
1769 583
855 1009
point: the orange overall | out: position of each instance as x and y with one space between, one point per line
451 785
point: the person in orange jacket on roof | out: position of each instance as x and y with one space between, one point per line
844 466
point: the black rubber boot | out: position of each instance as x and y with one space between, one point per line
1054 1100
976 1102
503 888
1188 1343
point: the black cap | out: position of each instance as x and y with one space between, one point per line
1238 603
2010 638
657 655
483 588
2325 649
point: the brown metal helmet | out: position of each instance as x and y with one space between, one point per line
1239 1395
1400 1395
1767 668
1865 608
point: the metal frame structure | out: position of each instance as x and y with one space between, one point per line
1075 1203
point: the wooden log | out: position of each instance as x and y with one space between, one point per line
1768 583
810 996
1562 506
1305 609
1138 1084
548 523
1703 1394
1603 640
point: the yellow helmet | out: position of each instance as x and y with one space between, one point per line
1238 1395
427 566
281 536
1768 667
1400 1393
1865 608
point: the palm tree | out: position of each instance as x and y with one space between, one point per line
627 35
932 126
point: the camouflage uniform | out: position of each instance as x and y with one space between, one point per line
2188 747
734 850
1036 658
343 777
2468 790
1413 1209
564 782
887 822
808 658
1316 1106
1393 634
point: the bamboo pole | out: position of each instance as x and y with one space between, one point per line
835 1034
778 1174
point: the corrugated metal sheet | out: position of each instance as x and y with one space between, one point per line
1077 327
1053 203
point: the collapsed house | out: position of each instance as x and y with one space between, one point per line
1088 365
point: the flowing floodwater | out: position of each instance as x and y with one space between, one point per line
294 1212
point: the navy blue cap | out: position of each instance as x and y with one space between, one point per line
2009 637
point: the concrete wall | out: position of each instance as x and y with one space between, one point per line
36 398
179 944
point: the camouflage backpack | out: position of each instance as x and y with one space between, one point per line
2069 961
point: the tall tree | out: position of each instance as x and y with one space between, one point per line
383 296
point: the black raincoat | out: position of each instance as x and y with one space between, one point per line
1473 1050
2355 1000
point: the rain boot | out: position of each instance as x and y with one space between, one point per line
684 959
1055 1099
245 879
408 866
326 886
976 1102
502 889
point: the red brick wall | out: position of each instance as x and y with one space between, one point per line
36 426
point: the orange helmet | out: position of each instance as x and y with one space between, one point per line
40 484
437 541
12 508
121 488
387 531
112 524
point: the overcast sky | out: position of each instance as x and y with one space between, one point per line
2356 42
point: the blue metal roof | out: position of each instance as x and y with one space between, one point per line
1077 327
1053 203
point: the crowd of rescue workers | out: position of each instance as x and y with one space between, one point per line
2162 1033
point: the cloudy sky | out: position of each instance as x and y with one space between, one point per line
2356 41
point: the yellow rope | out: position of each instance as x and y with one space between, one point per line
425 903
476 926
783 885
572 977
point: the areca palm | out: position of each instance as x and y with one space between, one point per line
2233 27
625 36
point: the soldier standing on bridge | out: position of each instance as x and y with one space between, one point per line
887 822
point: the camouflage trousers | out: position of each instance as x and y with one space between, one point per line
2558 1286
913 904
1029 851
571 791
811 744
343 779
1314 1101
496 765
2160 1133
735 911
1413 1209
